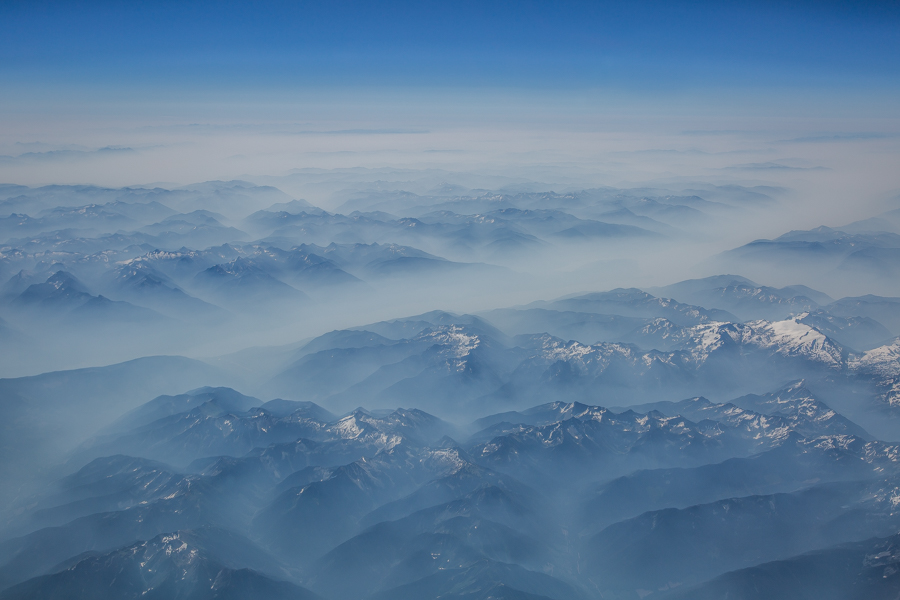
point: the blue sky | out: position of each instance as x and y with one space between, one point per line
527 44
609 91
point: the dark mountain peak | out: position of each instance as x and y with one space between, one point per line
191 564
617 294
299 408
60 289
135 269
217 400
197 217
447 442
345 338
103 468
65 281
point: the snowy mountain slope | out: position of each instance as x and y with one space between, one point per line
203 564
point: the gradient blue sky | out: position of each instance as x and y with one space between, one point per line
582 92
642 45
